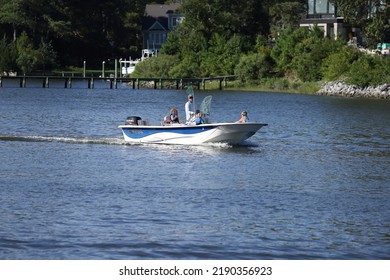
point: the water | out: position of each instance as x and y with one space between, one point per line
314 184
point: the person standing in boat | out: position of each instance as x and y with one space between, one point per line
174 116
244 118
189 108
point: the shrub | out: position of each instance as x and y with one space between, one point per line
310 55
221 57
302 52
284 50
307 68
27 55
8 56
369 70
254 67
156 67
337 65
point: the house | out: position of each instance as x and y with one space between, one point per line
324 14
157 22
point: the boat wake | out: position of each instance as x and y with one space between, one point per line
60 139
116 141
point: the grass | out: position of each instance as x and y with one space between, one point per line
276 85
267 85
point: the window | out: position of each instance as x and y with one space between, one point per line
320 7
174 23
157 38
310 5
331 9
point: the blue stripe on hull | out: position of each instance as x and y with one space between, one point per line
141 132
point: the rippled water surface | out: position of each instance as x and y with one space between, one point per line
313 184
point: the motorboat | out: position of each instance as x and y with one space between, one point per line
183 134
137 130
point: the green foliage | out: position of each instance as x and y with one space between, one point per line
21 55
229 18
156 67
286 14
46 56
337 64
221 57
354 11
92 30
27 56
310 54
284 50
217 37
369 70
192 47
214 35
8 56
255 66
372 16
171 46
378 28
302 51
15 14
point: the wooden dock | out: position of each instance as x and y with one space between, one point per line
112 82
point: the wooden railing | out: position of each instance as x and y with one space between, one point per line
112 82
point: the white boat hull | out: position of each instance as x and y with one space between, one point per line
230 133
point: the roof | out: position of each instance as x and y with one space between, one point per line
158 10
151 23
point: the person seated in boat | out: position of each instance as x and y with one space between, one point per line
244 118
199 119
174 116
167 120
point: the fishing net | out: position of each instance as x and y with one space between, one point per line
205 106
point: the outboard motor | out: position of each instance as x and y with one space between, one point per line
132 120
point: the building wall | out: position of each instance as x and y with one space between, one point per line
323 14
158 21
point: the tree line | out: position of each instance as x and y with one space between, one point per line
254 39
47 34
261 42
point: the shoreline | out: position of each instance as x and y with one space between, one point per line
340 88
334 88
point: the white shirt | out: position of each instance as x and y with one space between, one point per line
189 108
